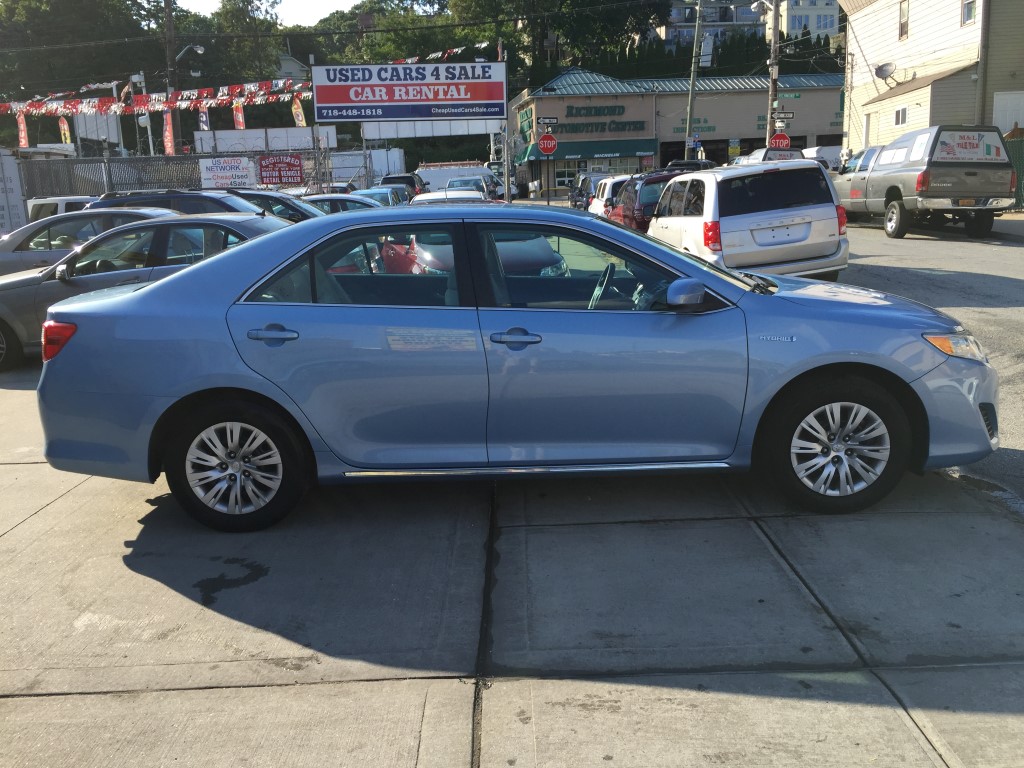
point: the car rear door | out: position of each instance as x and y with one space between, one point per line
389 368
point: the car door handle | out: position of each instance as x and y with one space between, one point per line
129 281
516 337
272 334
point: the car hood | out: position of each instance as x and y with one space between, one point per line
827 297
21 279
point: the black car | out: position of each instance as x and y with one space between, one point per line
185 201
691 165
279 203
583 188
412 180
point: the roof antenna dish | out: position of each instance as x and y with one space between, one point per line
884 71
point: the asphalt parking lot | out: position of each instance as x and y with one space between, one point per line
644 621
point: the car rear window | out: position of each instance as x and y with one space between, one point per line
793 188
970 146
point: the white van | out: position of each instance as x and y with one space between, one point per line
437 175
779 218
823 155
42 207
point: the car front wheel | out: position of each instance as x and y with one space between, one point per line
838 446
235 467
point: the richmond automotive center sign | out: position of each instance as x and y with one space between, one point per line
410 92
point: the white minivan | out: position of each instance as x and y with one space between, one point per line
607 189
777 218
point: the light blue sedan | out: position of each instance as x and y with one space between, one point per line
295 359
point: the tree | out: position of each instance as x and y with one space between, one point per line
251 54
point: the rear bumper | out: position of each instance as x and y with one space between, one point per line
803 268
953 203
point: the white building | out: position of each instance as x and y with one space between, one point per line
915 63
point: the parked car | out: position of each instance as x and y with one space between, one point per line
607 190
309 377
944 173
43 207
829 157
472 182
777 218
634 205
521 254
452 196
405 193
691 165
279 203
135 253
184 201
583 189
386 196
773 154
45 241
335 203
411 180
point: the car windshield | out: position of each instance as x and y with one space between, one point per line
649 193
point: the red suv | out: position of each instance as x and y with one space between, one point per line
638 197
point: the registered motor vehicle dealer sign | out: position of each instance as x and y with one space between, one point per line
389 92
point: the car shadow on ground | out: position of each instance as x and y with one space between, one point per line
450 578
24 377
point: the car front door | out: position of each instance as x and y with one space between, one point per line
389 368
581 375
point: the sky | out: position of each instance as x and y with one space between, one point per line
289 12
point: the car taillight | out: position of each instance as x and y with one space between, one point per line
1013 181
841 215
713 235
55 336
923 180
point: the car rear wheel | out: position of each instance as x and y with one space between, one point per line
11 354
837 445
235 467
897 222
979 223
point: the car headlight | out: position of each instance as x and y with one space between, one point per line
958 345
555 270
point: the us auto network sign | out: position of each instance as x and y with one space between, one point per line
388 92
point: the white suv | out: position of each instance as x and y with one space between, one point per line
778 218
607 191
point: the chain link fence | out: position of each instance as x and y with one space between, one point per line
95 176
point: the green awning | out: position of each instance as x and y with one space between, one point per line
588 150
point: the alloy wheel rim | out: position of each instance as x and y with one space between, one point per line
840 449
234 468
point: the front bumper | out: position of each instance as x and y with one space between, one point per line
961 398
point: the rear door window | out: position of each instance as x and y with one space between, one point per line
795 188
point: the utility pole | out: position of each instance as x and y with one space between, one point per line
171 65
773 73
693 82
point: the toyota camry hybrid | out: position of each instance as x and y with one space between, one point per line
257 373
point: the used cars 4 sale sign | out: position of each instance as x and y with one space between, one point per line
409 92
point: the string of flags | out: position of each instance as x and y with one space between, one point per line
129 103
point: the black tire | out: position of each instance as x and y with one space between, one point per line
221 431
841 471
979 223
897 222
11 353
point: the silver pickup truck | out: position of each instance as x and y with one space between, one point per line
938 174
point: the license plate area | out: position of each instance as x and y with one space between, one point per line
967 202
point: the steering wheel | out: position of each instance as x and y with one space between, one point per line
602 285
105 265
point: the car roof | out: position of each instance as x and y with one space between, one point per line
340 196
748 169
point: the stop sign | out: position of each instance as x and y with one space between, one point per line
779 141
547 143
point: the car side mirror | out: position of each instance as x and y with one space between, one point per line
295 217
685 292
62 273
